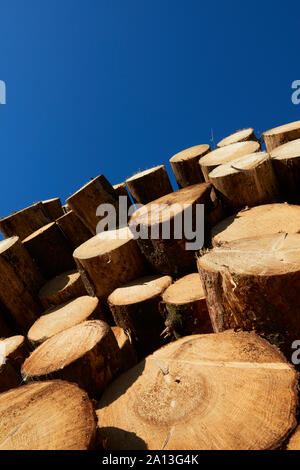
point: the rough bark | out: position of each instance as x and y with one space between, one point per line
128 352
62 288
87 354
226 154
53 208
20 282
107 261
257 221
239 136
16 350
184 308
135 308
286 163
87 199
149 185
253 284
198 392
53 415
185 165
247 181
280 135
73 229
162 227
25 222
50 250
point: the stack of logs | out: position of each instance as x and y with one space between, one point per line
210 272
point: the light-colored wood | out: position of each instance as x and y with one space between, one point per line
87 354
50 250
135 307
20 281
59 318
53 208
227 391
73 229
280 135
286 163
62 288
257 221
253 284
246 181
167 253
108 260
226 154
25 222
149 185
239 136
294 441
16 350
128 353
53 415
185 165
185 308
88 198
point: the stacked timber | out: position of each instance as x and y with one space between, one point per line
25 222
286 162
171 228
226 391
64 316
16 350
246 181
226 154
128 353
257 221
253 284
149 185
281 135
185 165
108 260
239 136
53 208
135 307
40 416
20 281
184 307
50 250
87 199
87 354
62 288
73 229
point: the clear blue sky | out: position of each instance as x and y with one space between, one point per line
98 86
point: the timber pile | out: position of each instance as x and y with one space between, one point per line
220 253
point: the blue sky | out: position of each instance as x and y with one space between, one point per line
98 86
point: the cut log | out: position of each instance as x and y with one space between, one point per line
171 228
16 351
20 282
149 185
239 136
50 250
185 165
87 199
66 208
53 208
40 416
62 288
87 354
185 308
280 135
135 307
121 190
61 317
246 181
108 260
227 391
286 163
73 229
257 221
24 222
128 353
226 154
294 441
253 284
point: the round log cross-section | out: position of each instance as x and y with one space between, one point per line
281 135
149 185
286 163
239 136
62 288
185 165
